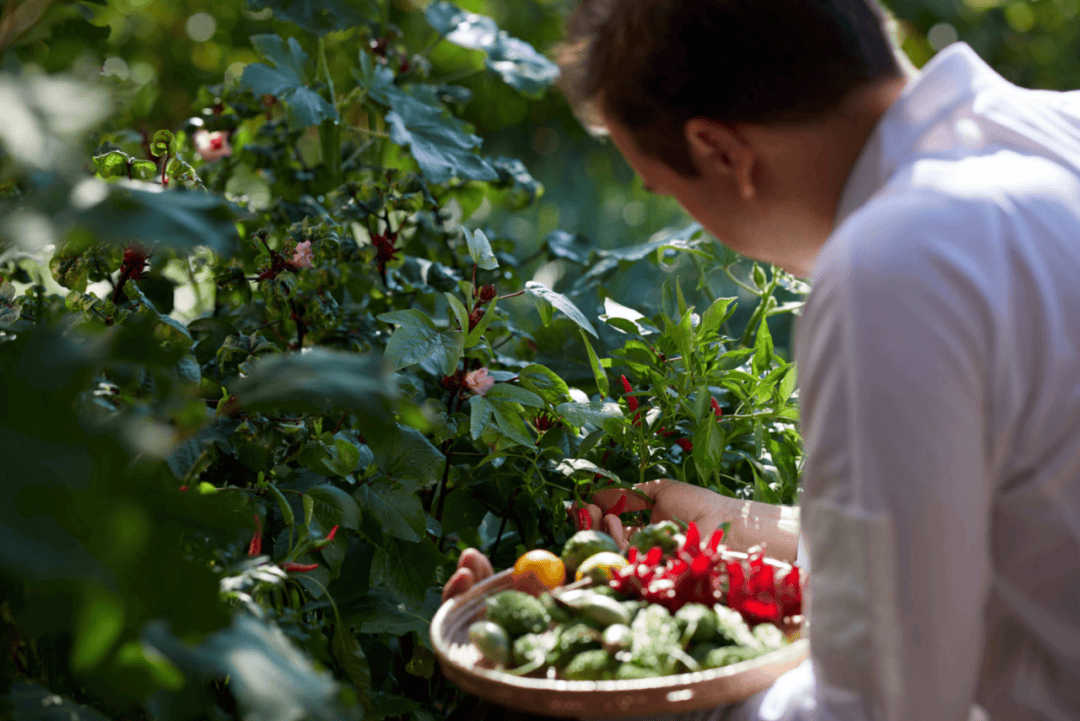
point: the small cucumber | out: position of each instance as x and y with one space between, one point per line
604 611
492 641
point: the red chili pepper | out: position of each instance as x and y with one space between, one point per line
686 444
716 408
619 508
631 401
255 547
715 540
329 537
693 574
298 567
584 520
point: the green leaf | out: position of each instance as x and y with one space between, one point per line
465 29
249 653
708 447
406 568
598 371
521 67
320 17
285 79
418 340
600 414
391 510
480 249
734 358
715 315
516 61
507 392
571 466
560 301
382 611
479 416
684 338
787 385
763 348
477 333
333 506
98 626
33 702
315 381
348 653
544 382
508 419
759 439
460 312
524 188
406 455
179 218
441 145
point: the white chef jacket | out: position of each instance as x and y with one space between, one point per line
939 363
939 360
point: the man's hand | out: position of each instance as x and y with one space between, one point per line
752 523
472 567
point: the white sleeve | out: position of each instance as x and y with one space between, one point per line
894 362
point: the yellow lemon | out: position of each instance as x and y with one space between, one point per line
601 567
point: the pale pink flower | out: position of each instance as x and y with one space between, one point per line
302 255
479 382
212 146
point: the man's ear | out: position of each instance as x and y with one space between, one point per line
718 151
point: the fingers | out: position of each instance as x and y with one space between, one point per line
472 567
462 580
609 497
595 514
476 562
614 528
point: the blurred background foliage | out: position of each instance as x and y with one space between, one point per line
158 54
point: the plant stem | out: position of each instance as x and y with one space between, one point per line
502 525
324 68
445 478
744 286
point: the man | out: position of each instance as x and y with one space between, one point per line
938 216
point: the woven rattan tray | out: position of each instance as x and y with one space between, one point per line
462 663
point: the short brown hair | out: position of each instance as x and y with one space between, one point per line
651 65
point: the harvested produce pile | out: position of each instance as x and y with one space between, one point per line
671 605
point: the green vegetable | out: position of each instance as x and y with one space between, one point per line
658 534
591 666
517 612
726 655
572 640
629 671
731 626
697 621
584 544
529 647
602 611
769 636
492 641
617 637
557 613
655 634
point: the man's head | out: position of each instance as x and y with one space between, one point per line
722 103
